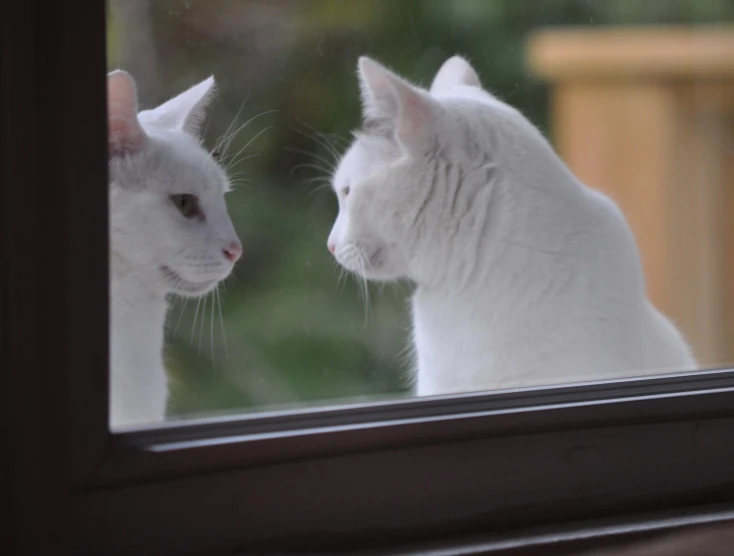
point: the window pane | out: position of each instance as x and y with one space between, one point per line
465 255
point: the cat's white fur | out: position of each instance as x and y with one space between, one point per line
156 250
524 275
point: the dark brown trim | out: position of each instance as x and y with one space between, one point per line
321 480
437 489
54 243
179 449
578 538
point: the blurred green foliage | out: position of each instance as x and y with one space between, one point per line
290 331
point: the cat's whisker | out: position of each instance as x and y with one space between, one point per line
193 325
234 159
317 189
238 174
367 302
333 150
211 333
329 163
232 178
228 132
362 285
242 182
327 171
181 311
332 153
246 157
340 278
318 162
228 145
324 181
240 178
221 323
322 139
225 283
321 180
205 299
202 326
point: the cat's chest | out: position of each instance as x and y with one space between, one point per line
477 344
484 320
453 335
137 334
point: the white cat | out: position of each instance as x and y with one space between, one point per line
170 233
524 275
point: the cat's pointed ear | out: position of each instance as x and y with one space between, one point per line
455 71
184 112
125 134
389 102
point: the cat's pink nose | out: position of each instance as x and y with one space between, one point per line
233 251
332 248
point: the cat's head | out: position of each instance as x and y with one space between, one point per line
398 183
169 220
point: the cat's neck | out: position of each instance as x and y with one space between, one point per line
132 291
138 377
138 314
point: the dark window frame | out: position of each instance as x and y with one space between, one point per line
322 479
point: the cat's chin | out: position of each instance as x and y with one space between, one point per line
375 268
180 286
378 275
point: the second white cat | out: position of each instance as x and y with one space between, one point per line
169 233
524 275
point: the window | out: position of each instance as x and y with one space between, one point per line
291 326
340 477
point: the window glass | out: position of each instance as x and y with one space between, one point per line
488 265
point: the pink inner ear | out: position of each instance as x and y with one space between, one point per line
125 134
413 125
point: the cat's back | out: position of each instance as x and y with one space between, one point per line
666 349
